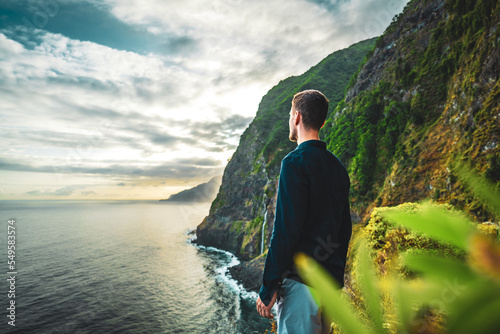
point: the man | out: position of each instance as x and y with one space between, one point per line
312 217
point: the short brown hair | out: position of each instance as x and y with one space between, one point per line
313 106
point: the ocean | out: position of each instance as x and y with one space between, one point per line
117 267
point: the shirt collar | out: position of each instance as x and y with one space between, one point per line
314 143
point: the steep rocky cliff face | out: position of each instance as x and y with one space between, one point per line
425 98
244 208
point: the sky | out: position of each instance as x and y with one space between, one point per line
140 99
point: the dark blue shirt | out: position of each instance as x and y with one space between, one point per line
312 215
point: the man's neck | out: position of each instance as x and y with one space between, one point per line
310 135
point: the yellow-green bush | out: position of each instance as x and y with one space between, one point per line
385 240
455 266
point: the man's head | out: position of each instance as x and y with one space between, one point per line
313 108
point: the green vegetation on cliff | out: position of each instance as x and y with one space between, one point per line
246 196
403 114
330 76
426 99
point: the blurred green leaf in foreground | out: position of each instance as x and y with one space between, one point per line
418 269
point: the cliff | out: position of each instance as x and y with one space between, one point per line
244 206
424 99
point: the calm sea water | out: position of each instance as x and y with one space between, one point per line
118 267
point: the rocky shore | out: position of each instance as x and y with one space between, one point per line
249 273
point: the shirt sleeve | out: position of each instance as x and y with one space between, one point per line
291 211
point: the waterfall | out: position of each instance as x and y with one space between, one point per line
263 233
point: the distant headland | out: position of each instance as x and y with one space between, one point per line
204 192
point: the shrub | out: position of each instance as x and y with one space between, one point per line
446 293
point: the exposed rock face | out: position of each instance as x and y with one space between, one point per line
426 99
418 22
238 211
249 273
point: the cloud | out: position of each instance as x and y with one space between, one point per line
218 132
121 184
178 45
14 166
106 129
183 168
88 193
66 191
331 5
158 89
86 20
59 75
202 162
242 43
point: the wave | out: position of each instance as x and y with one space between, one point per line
223 271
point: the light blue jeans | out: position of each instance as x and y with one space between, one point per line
297 311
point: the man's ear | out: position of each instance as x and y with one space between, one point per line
298 118
323 124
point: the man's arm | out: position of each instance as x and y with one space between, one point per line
291 211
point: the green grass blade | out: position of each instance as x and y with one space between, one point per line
475 310
337 308
439 268
484 320
407 296
402 305
370 289
481 188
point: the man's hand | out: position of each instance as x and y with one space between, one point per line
264 310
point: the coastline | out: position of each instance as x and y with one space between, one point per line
249 273
238 275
